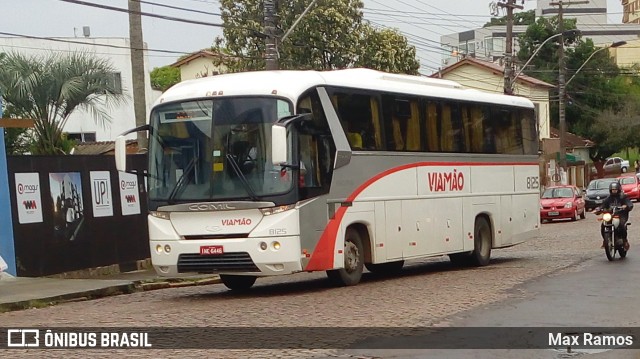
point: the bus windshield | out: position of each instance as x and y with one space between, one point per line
219 149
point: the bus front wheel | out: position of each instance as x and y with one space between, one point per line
483 240
237 282
353 261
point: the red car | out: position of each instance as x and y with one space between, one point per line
561 202
630 186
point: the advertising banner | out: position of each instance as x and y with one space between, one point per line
129 194
28 198
102 199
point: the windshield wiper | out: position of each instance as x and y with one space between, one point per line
243 179
180 182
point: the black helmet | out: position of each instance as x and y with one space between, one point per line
614 186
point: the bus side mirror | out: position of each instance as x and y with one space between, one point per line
121 153
278 144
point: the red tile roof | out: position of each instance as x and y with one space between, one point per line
195 55
571 140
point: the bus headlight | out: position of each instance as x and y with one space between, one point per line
275 210
167 248
160 214
276 245
159 249
263 246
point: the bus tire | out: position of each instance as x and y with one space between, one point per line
482 242
353 261
237 282
385 268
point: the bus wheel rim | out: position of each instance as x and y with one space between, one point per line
351 258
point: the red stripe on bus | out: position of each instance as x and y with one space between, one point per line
322 257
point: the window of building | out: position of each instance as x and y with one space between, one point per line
82 136
115 81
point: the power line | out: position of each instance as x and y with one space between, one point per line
87 43
170 18
179 8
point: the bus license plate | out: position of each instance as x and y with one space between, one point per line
554 213
211 250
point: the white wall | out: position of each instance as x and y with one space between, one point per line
199 67
122 116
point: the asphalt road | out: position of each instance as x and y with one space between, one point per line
561 278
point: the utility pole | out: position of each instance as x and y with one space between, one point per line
508 54
271 52
561 80
137 70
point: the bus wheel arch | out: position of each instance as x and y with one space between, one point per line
483 240
354 257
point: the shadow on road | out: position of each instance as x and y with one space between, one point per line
304 285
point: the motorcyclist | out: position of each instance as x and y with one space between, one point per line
619 199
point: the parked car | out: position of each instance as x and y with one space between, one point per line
559 202
630 186
616 165
597 191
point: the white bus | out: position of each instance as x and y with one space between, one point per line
269 173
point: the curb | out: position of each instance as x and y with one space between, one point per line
129 288
69 297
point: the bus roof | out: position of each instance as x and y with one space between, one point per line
292 83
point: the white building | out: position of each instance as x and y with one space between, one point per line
81 124
488 43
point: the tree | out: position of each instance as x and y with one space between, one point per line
48 89
330 36
164 77
613 135
386 50
544 65
519 18
599 101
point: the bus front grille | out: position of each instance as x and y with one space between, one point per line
227 262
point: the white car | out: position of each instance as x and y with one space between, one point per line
616 164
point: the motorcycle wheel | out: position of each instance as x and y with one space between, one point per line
610 249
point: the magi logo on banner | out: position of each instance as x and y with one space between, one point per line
28 198
129 195
101 198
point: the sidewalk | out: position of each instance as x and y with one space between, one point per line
18 293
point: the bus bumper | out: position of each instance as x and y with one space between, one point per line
173 258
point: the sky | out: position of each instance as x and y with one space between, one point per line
421 21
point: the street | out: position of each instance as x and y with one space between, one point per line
561 278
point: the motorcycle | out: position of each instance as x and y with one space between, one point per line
610 222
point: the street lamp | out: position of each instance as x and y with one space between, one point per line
613 45
567 33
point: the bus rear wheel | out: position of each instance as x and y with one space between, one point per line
237 282
385 268
482 243
353 261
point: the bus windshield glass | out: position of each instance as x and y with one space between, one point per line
210 150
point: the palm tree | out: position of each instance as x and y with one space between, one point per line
49 88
